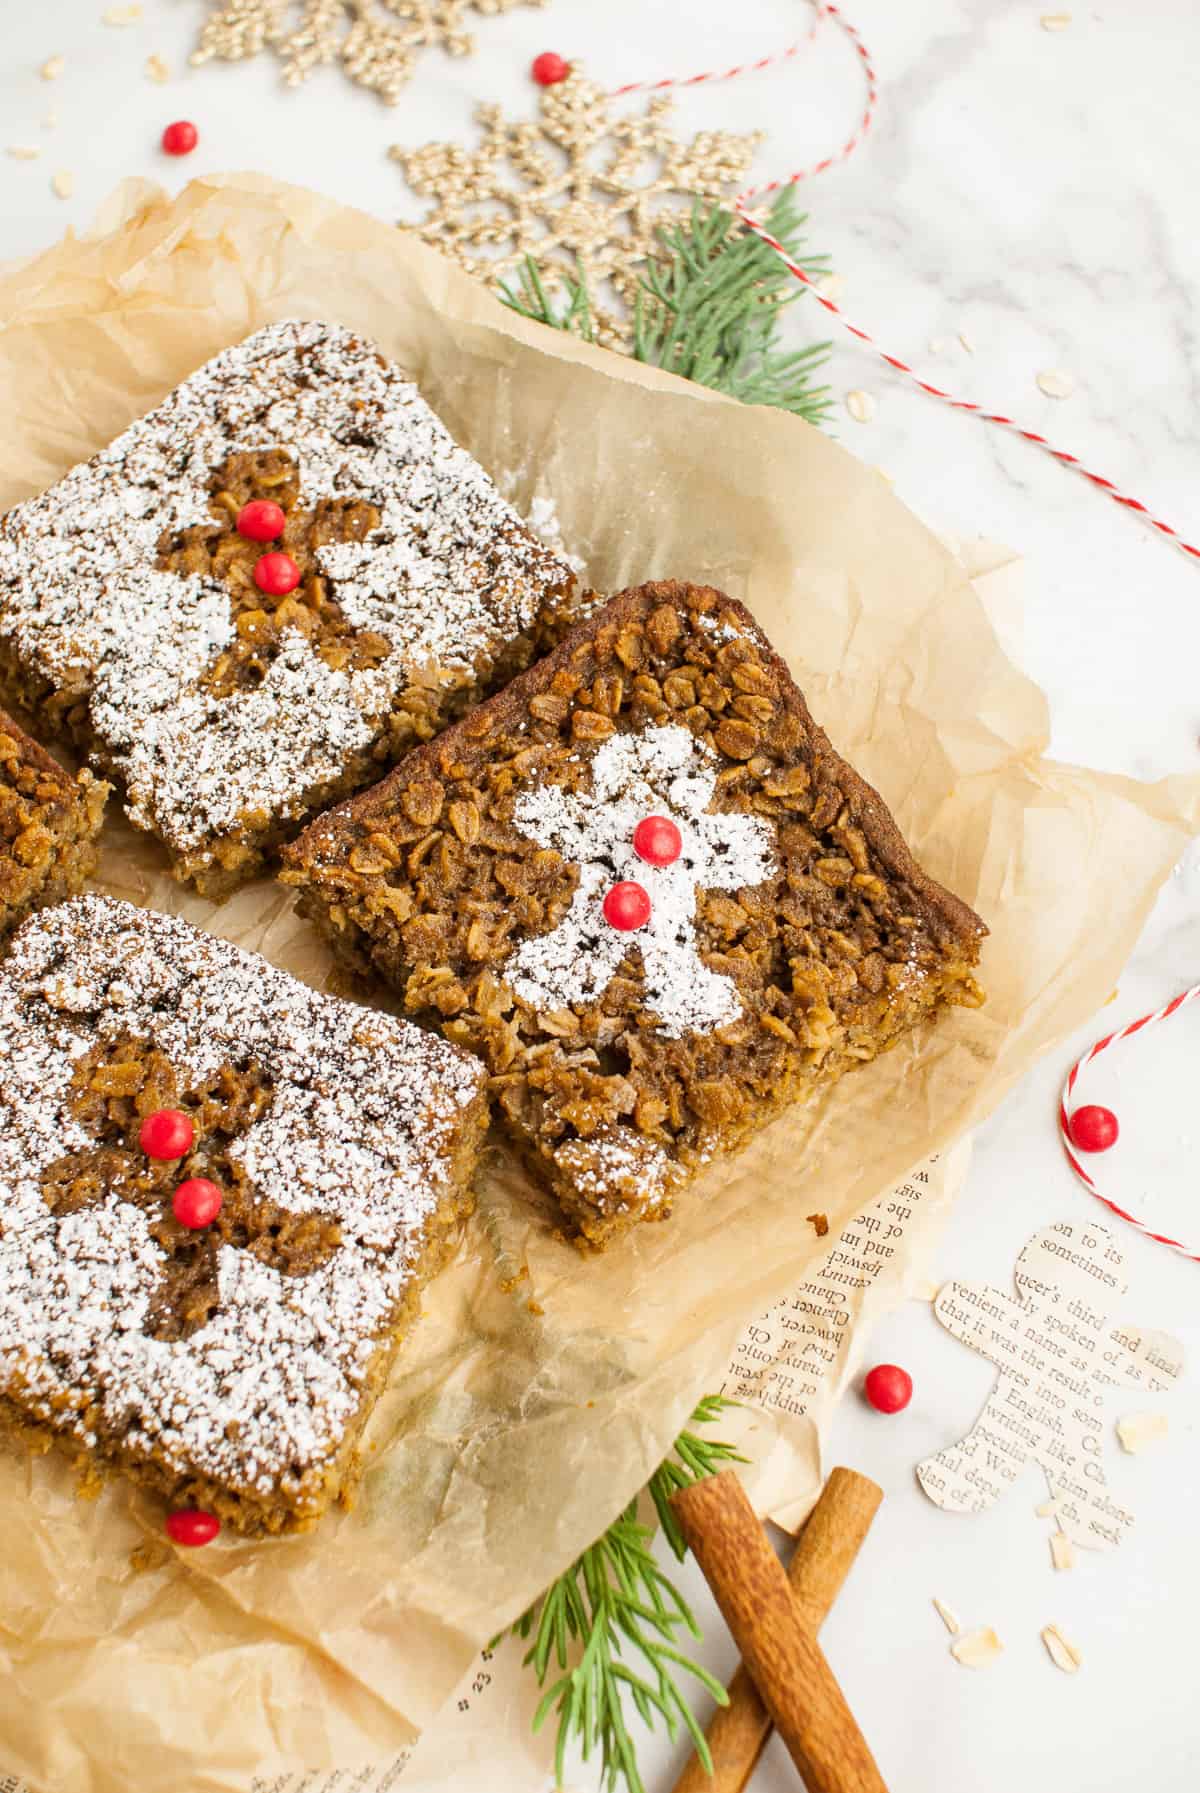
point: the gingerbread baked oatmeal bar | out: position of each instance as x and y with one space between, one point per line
264 592
643 887
220 1196
48 826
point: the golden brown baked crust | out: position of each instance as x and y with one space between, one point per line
48 826
809 939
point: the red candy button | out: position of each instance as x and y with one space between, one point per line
260 520
276 574
549 69
192 1526
1093 1129
888 1387
657 841
626 906
197 1203
180 138
167 1133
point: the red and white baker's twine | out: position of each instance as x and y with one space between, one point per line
1085 1177
823 9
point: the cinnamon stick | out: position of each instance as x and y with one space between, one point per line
828 1545
780 1650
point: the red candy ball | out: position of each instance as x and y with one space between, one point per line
192 1526
549 69
197 1203
167 1133
657 840
1093 1129
180 138
626 906
888 1388
276 574
260 520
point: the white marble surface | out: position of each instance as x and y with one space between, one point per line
1037 191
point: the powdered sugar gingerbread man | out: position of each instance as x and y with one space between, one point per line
644 840
1058 1353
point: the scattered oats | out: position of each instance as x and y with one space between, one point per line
24 152
1048 1509
1062 1551
830 285
151 1553
938 345
121 15
52 68
50 121
1055 383
1055 21
860 405
977 1649
947 1615
1062 1654
968 342
157 69
1137 1430
63 183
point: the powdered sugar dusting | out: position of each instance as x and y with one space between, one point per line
660 771
721 628
448 577
617 1161
545 524
365 1113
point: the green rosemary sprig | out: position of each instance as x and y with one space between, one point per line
533 301
707 307
691 1459
615 1599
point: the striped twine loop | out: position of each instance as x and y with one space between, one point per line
1064 1118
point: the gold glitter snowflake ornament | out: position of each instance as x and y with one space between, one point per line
376 41
549 191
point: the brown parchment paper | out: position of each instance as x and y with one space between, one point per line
523 1416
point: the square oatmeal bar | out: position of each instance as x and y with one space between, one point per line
220 1196
261 594
644 888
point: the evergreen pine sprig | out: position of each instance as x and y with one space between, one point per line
691 1459
708 307
614 1599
